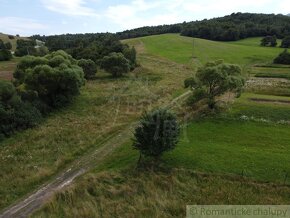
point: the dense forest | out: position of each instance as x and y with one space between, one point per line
229 28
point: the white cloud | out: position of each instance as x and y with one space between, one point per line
139 13
223 6
18 25
69 7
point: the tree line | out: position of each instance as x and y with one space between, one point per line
99 48
228 28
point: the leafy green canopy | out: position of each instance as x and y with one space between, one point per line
116 64
14 113
283 58
157 132
53 80
269 41
286 42
215 79
89 67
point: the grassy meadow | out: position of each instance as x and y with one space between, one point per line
105 107
240 156
186 50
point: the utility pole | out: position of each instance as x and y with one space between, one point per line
192 47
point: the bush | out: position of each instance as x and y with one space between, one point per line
286 42
5 55
283 58
54 79
14 113
130 54
8 45
116 64
89 67
269 41
157 132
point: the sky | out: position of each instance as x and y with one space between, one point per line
49 17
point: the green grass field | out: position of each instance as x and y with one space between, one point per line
186 50
250 139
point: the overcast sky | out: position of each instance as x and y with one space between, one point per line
27 17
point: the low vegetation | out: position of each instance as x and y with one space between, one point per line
283 58
157 194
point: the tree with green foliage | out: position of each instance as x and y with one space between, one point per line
14 113
215 79
157 132
2 44
116 64
269 41
283 58
130 54
89 67
5 55
286 42
25 47
8 45
55 78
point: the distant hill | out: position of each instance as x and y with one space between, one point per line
288 14
228 28
12 39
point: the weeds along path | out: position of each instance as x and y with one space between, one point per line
33 202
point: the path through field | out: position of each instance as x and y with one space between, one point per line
34 201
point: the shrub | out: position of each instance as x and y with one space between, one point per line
116 64
89 67
269 41
157 132
283 58
5 55
14 113
130 54
286 42
54 79
8 45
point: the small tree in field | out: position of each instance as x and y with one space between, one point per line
157 133
89 68
116 64
215 79
286 42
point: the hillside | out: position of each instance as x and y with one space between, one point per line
5 38
243 152
186 50
228 28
